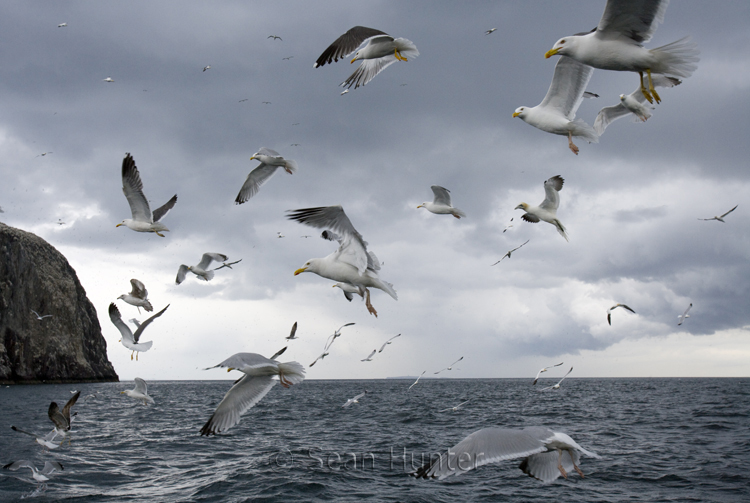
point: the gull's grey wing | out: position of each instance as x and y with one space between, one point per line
543 466
291 334
20 464
244 394
138 289
442 195
208 257
566 375
116 318
132 187
142 327
633 19
269 152
728 212
569 81
51 466
254 181
57 417
370 355
367 71
162 211
551 189
140 386
346 44
382 347
607 115
279 352
70 403
181 273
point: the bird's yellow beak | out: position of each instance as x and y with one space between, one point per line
516 114
301 270
551 53
253 158
122 392
230 369
420 206
352 61
118 225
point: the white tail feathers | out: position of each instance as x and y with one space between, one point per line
293 372
582 129
678 58
388 288
291 165
209 276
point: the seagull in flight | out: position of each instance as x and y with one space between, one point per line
335 335
544 370
454 409
509 252
61 418
354 400
40 476
62 25
275 37
609 311
292 336
201 269
206 67
557 386
45 153
547 210
451 367
319 358
129 339
270 162
108 79
369 358
387 342
418 378
228 264
140 392
287 58
47 441
39 317
491 30
684 315
721 217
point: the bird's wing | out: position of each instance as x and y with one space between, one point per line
51 466
269 152
345 325
353 249
142 327
452 364
278 353
569 81
382 347
294 331
633 19
19 464
530 217
140 386
254 180
551 188
442 195
181 273
627 307
609 114
70 403
399 335
208 257
114 315
367 71
244 394
609 318
347 43
370 355
488 445
460 404
730 211
162 211
537 376
359 396
132 187
138 290
566 375
56 417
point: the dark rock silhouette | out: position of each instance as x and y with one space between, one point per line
65 347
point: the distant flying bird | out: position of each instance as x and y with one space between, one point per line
201 269
454 409
369 358
143 220
544 370
206 67
441 204
295 144
140 392
40 317
251 388
292 335
270 161
609 311
491 30
547 454
354 400
60 222
108 79
557 386
451 366
557 111
266 102
335 335
138 296
129 339
243 100
344 92
721 217
381 51
319 358
351 262
62 25
40 476
61 417
275 37
684 315
507 227
589 95
507 254
44 153
633 103
47 441
418 378
280 235
547 210
287 58
228 264
387 342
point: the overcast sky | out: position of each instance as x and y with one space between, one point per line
631 203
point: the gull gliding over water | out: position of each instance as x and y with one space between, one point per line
61 418
547 454
46 441
270 161
418 378
251 388
381 51
557 386
547 210
441 205
351 262
201 269
557 111
615 44
40 476
454 409
544 370
369 358
129 339
451 367
354 400
721 217
138 296
140 392
143 220
609 311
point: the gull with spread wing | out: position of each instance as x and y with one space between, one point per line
557 386
140 392
138 296
270 161
721 217
609 311
441 205
633 103
544 370
507 254
547 210
201 269
451 367
143 219
354 400
129 339
387 342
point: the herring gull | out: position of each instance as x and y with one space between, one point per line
545 370
129 339
547 454
441 205
381 51
684 315
250 388
47 441
721 217
138 296
270 161
547 210
40 476
557 386
418 378
454 409
609 311
293 334
335 335
369 357
140 392
633 103
39 316
350 401
387 342
323 355
201 269
451 365
616 44
557 111
351 262
143 220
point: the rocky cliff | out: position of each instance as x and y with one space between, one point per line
65 347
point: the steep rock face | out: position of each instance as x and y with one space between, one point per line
67 347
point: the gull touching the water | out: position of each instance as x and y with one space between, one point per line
201 269
545 370
369 358
721 217
557 111
616 44
441 205
684 315
547 454
351 262
381 51
143 220
354 400
451 367
270 161
138 296
251 388
609 311
40 476
557 386
633 103
61 418
46 441
129 339
547 210
140 392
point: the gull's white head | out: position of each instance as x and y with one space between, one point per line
124 222
622 97
356 57
310 266
519 112
562 47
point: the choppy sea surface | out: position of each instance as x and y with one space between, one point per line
675 440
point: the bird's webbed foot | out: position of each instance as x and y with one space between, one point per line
370 309
572 145
645 92
651 87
